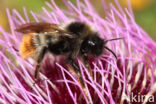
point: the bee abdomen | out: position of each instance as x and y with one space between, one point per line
27 47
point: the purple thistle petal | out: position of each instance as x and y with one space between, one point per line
70 92
26 15
34 16
77 83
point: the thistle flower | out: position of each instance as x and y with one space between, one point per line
125 80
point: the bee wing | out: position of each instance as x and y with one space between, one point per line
38 27
43 27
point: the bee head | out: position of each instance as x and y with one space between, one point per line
93 45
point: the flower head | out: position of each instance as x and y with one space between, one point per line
114 81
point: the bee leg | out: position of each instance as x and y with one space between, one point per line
76 68
73 63
39 61
37 68
86 62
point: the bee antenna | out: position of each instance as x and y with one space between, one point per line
110 49
111 52
113 39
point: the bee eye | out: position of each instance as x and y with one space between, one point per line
91 43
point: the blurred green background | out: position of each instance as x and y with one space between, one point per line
144 11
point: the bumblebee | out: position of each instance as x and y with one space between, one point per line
75 39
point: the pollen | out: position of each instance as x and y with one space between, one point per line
27 48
